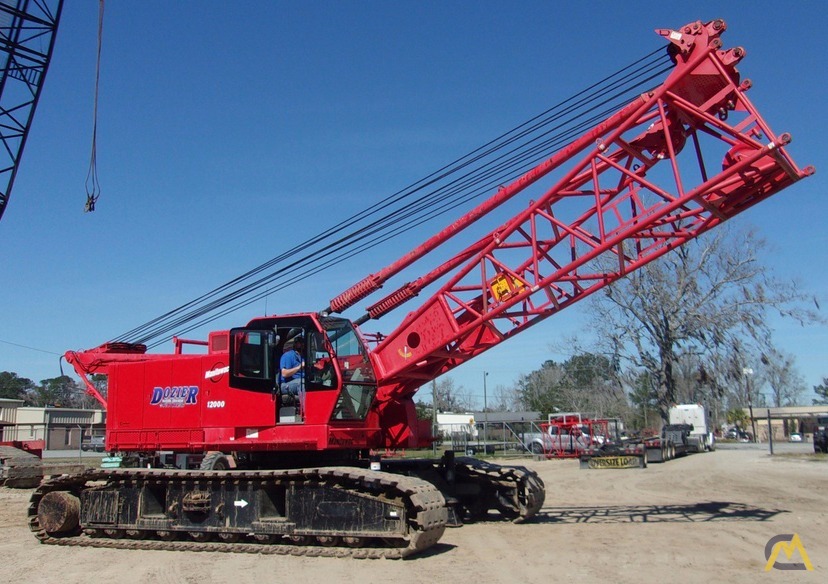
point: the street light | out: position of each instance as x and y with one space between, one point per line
485 412
747 371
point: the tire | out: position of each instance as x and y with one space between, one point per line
215 461
536 448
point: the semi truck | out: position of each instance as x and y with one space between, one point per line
687 432
700 437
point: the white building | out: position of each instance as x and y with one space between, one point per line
451 424
59 428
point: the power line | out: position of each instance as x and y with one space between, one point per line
30 348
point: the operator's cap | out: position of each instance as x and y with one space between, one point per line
295 335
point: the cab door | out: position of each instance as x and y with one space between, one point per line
253 373
252 359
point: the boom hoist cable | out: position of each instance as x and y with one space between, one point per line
93 186
427 206
468 177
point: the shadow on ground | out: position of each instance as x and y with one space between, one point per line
690 513
437 549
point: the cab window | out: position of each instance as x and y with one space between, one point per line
251 359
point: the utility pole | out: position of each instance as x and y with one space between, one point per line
748 372
434 405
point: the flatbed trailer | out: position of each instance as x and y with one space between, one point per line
676 440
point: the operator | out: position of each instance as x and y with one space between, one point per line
292 368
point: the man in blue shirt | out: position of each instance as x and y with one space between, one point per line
292 368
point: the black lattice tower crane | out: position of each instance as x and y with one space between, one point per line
27 37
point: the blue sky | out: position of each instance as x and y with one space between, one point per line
230 130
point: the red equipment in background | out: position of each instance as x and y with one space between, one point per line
571 436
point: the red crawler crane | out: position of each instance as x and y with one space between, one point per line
673 163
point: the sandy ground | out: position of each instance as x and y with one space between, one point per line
705 518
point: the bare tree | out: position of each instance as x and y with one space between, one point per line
708 299
451 398
505 399
779 373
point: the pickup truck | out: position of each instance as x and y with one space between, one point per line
94 444
563 440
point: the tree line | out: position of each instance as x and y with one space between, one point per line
61 391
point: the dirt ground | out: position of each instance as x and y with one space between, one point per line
704 518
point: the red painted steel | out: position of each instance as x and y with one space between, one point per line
617 201
672 164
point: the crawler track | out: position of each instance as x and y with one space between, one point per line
417 507
515 491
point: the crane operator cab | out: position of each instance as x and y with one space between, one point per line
317 369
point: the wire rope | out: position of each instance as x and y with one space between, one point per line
469 177
93 186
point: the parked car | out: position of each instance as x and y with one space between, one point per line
795 437
737 434
94 444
